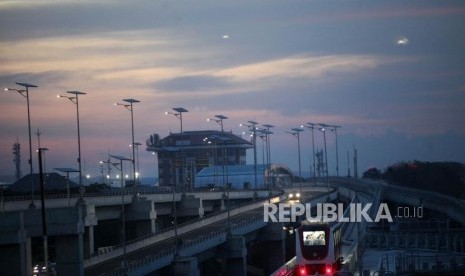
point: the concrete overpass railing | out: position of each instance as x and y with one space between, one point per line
169 233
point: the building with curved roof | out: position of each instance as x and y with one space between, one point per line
182 155
243 176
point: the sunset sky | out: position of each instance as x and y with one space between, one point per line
390 73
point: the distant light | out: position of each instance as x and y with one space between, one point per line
402 41
88 176
225 36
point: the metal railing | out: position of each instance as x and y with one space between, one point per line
190 247
169 232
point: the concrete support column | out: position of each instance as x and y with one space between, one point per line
274 245
69 254
185 266
15 246
153 227
234 254
223 205
153 217
191 206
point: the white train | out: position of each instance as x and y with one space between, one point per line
318 248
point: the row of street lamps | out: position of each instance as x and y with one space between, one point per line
322 127
252 125
74 98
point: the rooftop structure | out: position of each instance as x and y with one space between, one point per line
182 155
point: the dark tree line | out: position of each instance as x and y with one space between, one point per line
443 177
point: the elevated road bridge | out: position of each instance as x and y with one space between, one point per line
202 230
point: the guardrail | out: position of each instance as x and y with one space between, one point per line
153 262
169 232
125 191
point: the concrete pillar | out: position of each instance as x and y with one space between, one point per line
91 239
234 253
274 243
191 206
9 256
153 226
15 246
223 205
69 255
185 266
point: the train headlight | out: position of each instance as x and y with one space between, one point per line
291 195
297 195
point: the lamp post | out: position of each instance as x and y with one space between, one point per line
219 121
25 94
253 128
123 216
42 202
323 129
334 128
296 133
136 145
268 157
311 126
75 100
178 114
337 155
129 106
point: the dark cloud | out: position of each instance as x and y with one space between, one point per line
9 80
200 83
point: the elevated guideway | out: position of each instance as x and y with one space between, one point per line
139 253
356 238
201 238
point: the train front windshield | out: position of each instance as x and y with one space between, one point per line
314 238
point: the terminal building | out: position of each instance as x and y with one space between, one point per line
211 159
182 155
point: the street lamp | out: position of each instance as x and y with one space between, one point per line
312 127
334 128
42 202
123 217
178 114
136 145
129 107
268 157
25 94
296 133
219 121
323 129
253 128
75 100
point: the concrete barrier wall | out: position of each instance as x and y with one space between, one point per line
181 230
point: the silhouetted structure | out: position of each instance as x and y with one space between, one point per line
182 155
